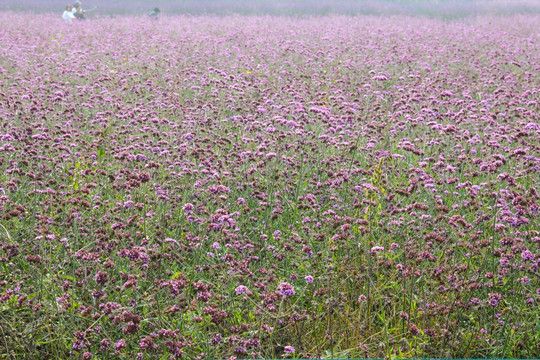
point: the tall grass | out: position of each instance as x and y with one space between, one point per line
262 187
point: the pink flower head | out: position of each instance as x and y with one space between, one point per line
241 289
120 344
286 289
289 350
527 255
376 249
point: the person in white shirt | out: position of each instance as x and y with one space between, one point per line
68 16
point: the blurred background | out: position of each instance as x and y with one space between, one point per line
431 8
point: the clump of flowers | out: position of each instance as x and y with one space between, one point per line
241 289
286 289
289 350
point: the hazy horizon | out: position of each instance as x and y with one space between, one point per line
429 8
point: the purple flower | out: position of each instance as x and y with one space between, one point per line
527 255
413 329
104 344
120 344
101 278
376 249
241 289
494 299
216 339
309 279
286 289
289 350
147 343
188 208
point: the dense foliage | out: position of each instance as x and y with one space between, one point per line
265 187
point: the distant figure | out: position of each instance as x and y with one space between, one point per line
77 11
68 16
155 13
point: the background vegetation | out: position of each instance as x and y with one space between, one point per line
433 8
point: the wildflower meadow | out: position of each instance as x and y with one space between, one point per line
205 187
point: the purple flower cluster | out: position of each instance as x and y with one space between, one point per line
286 289
241 289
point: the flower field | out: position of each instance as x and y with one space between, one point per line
269 187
